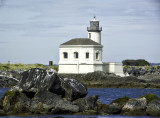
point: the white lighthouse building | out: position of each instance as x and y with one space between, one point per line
83 55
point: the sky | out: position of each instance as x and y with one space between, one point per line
32 30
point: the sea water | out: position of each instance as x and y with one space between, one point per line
106 95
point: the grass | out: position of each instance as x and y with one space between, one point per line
24 66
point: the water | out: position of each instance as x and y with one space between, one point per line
106 95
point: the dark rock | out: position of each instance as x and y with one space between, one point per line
35 80
2 113
88 103
135 107
48 99
1 103
65 107
113 108
153 108
74 89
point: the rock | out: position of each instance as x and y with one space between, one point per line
35 80
2 113
6 103
65 107
74 89
135 107
48 99
153 108
1 103
43 92
113 108
88 103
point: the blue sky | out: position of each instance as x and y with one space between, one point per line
32 30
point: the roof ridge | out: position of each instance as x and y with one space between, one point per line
81 41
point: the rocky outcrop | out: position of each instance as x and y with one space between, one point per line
43 92
140 71
35 80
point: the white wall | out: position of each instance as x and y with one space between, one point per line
116 68
95 36
80 65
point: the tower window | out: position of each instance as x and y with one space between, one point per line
97 55
76 55
65 55
90 35
87 55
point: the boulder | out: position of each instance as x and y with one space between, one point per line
153 108
135 107
113 108
74 89
88 103
35 80
65 107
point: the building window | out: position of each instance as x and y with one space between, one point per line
87 55
76 55
97 55
65 55
90 35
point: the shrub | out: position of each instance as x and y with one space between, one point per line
149 97
139 62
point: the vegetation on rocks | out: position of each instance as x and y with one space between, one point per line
149 97
122 100
139 62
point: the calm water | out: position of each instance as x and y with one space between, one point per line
106 95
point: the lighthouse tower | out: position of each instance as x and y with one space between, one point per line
94 31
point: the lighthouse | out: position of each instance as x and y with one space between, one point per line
84 55
94 31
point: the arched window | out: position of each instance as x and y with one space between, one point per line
76 55
87 55
65 55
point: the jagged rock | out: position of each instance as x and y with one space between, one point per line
88 103
135 107
74 89
153 108
35 80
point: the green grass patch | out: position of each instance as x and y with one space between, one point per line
24 66
149 97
